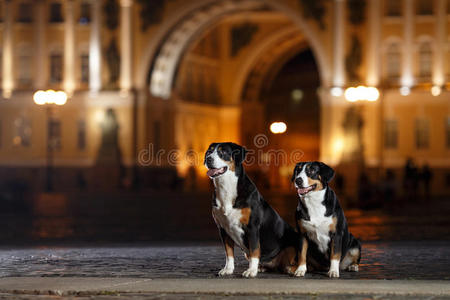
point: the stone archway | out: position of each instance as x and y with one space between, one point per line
166 49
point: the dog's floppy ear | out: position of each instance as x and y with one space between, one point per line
326 172
238 153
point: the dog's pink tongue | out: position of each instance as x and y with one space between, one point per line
212 172
301 191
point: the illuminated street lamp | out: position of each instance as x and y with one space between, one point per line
362 93
49 98
278 127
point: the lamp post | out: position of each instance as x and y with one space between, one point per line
49 98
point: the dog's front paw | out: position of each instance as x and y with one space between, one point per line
301 271
250 272
333 273
353 268
226 271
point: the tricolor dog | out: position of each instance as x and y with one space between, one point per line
326 242
244 218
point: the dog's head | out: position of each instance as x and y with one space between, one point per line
311 176
224 157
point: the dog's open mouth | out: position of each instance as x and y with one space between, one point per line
306 190
216 172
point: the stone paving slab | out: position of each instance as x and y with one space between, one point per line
291 286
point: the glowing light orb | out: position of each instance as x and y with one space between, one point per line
278 127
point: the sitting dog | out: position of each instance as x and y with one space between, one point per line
326 241
244 218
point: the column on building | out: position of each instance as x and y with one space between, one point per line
373 49
407 78
69 48
125 45
439 55
8 54
95 74
40 58
339 44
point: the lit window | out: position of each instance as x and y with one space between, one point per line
22 132
393 8
55 15
25 12
425 57
54 133
24 67
393 61
390 134
85 13
81 136
447 131
424 7
55 68
422 133
84 68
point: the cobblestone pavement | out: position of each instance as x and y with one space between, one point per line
155 296
380 260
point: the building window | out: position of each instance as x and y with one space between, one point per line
390 134
22 132
85 13
393 61
423 7
25 12
84 58
54 134
425 57
81 136
393 8
422 133
55 68
447 131
55 15
24 67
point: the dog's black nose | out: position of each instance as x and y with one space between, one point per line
209 161
299 181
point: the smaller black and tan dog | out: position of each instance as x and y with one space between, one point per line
327 243
244 218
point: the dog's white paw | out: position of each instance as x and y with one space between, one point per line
250 272
226 271
333 273
353 268
301 271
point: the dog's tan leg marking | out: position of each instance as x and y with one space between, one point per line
252 270
245 212
301 268
335 257
229 251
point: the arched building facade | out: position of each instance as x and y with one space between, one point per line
180 74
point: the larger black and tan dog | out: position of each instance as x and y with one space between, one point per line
327 243
244 218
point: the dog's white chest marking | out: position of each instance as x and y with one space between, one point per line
318 227
224 214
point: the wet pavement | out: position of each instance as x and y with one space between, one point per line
429 260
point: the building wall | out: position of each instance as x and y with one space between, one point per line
174 113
